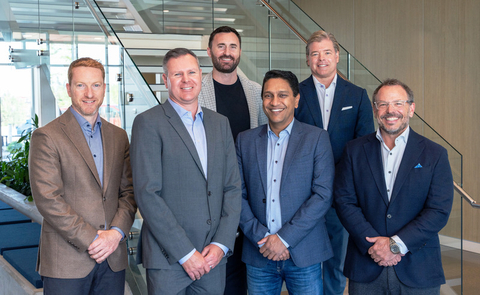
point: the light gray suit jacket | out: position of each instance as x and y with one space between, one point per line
182 210
253 93
74 205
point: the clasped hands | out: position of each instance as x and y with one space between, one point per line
273 248
380 252
201 263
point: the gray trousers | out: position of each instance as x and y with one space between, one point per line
177 282
389 284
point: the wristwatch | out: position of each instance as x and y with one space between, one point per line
394 246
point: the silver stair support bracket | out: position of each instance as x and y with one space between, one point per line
466 196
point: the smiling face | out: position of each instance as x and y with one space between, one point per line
392 120
322 60
279 103
183 81
225 52
87 90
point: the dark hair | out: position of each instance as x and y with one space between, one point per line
394 82
285 75
176 53
85 62
224 29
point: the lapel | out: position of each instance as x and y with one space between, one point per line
261 143
293 145
108 142
413 151
313 103
177 124
207 97
74 132
337 105
373 155
210 136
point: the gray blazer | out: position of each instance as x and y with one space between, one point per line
253 93
182 210
305 193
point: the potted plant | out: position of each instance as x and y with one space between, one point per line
14 173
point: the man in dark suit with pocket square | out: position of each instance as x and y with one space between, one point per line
344 110
393 193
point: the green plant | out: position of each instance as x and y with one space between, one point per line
14 172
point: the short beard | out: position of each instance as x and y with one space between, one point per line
218 66
392 132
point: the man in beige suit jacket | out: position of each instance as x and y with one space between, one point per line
82 185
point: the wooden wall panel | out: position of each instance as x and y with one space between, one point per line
433 46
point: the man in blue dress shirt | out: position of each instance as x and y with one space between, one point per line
287 170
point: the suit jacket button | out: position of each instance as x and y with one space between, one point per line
209 193
209 221
389 216
104 199
102 225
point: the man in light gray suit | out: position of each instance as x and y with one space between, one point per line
233 95
226 91
287 170
186 176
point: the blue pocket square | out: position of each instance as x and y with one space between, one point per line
418 166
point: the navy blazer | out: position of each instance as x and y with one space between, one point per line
420 204
351 114
305 193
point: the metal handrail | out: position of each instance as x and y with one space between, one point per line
465 195
265 3
272 10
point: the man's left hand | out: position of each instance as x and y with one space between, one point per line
106 243
380 251
273 248
212 254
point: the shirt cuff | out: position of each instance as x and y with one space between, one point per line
401 244
224 249
120 231
283 241
186 257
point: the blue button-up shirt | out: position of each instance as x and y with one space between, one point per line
197 132
276 150
391 159
94 140
93 136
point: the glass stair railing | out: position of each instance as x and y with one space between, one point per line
131 37
269 43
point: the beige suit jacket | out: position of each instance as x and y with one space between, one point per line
67 191
253 94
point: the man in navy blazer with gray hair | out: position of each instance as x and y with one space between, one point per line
344 110
393 193
287 172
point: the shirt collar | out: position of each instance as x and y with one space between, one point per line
334 81
288 130
84 124
183 113
403 136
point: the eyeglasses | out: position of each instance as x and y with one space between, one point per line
383 105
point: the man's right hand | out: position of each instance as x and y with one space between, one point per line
196 266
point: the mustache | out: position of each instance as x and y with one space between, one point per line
392 115
226 56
